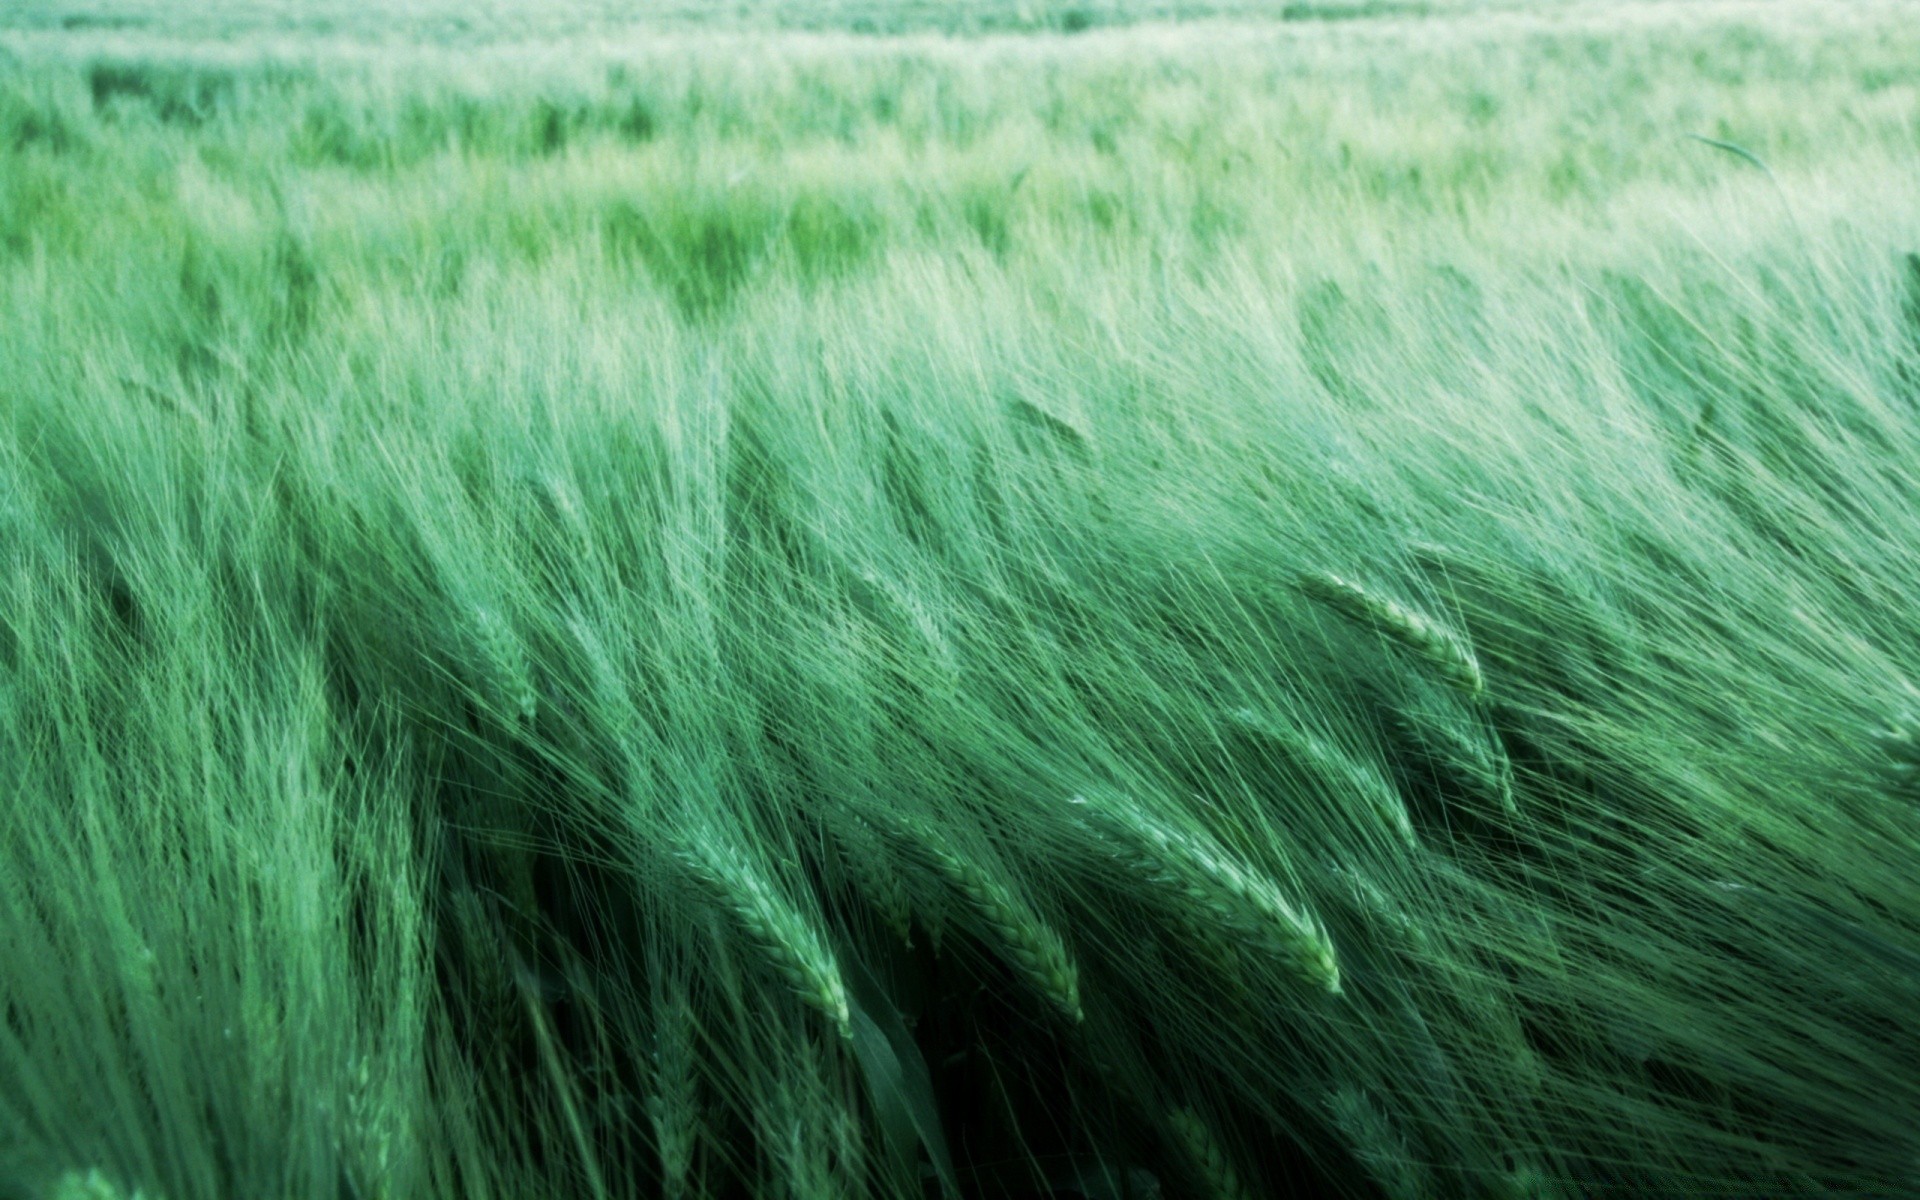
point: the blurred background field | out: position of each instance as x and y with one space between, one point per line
518 19
960 600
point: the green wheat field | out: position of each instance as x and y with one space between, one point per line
917 600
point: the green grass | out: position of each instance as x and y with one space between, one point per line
1283 605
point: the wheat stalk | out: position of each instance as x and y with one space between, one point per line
782 935
1438 646
1210 880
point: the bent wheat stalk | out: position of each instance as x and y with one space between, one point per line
779 932
1210 881
1438 646
1482 768
1336 769
1029 942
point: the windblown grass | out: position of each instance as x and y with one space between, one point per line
1292 607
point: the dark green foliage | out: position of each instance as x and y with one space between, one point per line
701 253
25 125
175 95
829 237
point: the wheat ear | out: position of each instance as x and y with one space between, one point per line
1210 881
1029 942
1380 910
1377 1144
777 930
509 682
1340 771
1480 768
797 1122
875 875
673 1103
1422 635
1208 1156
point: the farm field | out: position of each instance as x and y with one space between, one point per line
1109 601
